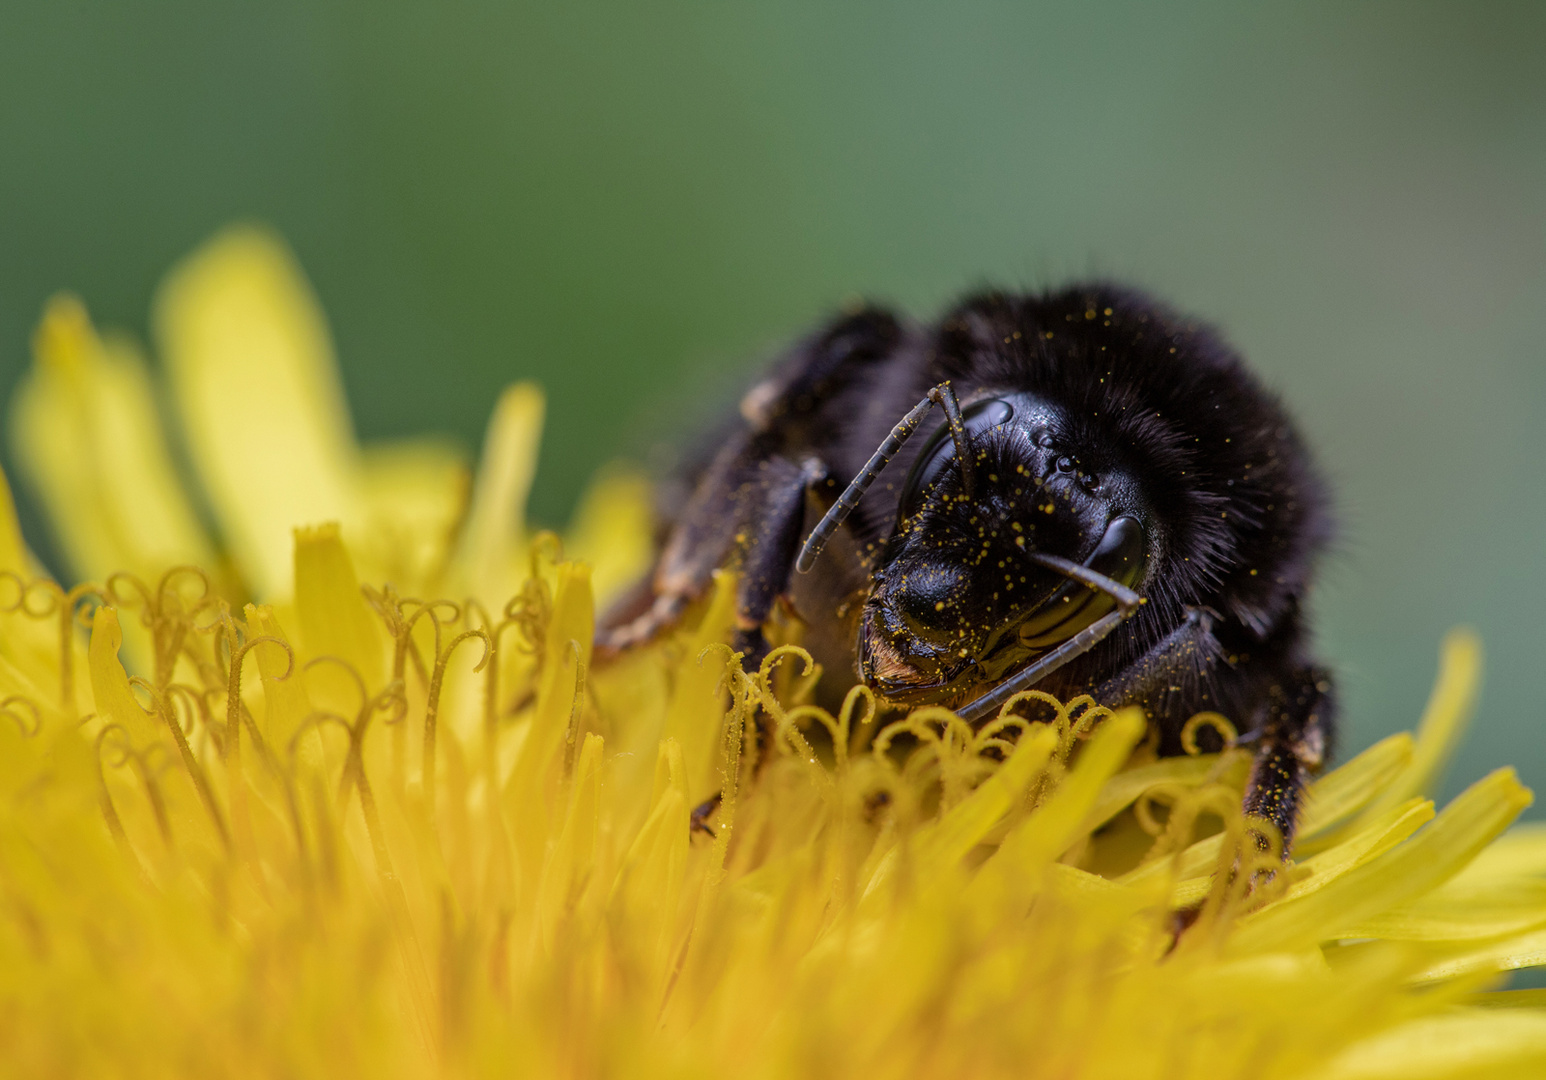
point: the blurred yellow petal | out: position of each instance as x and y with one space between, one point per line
566 652
110 683
1460 914
649 881
14 555
1465 1045
334 618
1520 852
1444 720
1127 785
286 705
86 432
613 531
697 678
571 863
1507 953
414 497
496 522
256 388
29 647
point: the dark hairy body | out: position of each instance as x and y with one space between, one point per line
1101 432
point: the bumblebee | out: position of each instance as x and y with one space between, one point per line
1078 491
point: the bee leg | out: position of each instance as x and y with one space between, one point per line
699 821
1163 679
1300 712
1292 745
770 548
696 547
725 489
771 539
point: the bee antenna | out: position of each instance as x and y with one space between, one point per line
945 398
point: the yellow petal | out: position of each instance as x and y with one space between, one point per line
612 531
694 716
1464 1044
1444 721
1509 953
566 656
256 388
491 540
1448 914
1349 788
109 682
1125 787
1057 823
964 825
1439 851
334 618
14 555
286 705
1520 852
415 495
87 435
645 893
571 861
29 648
1377 837
1501 892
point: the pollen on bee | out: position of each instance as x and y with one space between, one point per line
939 605
1019 541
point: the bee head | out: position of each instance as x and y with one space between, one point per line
959 600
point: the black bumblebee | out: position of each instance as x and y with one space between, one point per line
1108 503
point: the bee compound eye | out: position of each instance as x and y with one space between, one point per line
1120 556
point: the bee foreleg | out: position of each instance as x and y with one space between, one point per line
769 545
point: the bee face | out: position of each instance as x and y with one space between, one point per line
958 600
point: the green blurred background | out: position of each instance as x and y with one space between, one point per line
634 202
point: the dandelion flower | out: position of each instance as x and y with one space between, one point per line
311 774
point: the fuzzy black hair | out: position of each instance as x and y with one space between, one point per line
1218 456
